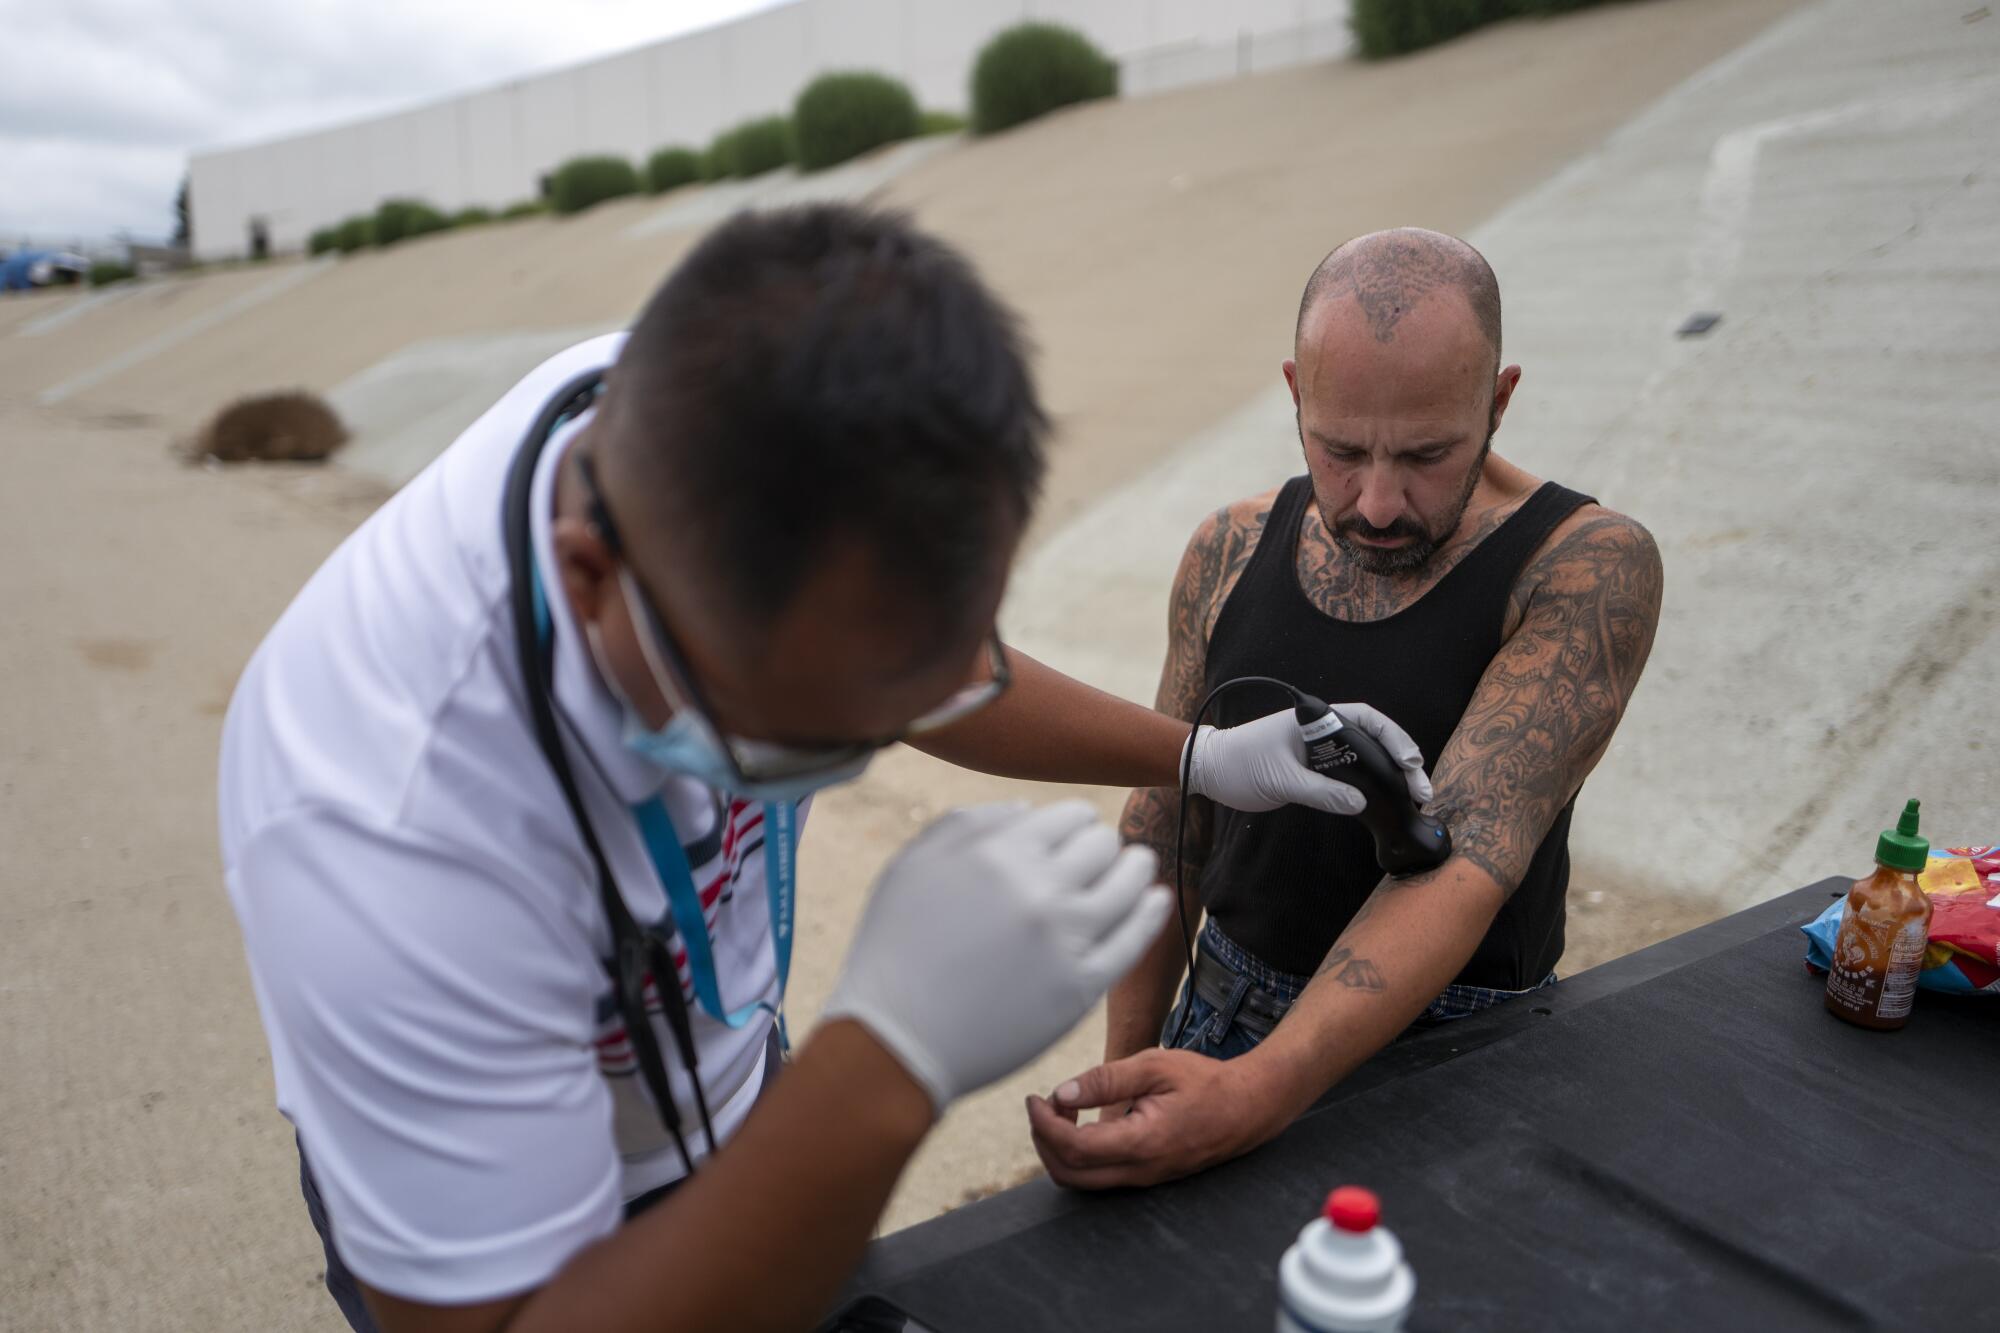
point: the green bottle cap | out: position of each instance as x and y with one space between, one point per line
1900 848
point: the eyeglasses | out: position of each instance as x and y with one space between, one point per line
759 761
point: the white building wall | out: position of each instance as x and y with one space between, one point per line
492 146
489 123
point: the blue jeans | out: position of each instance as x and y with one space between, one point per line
1233 1000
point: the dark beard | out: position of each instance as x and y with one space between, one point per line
1405 559
1414 554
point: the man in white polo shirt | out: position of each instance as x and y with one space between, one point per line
546 727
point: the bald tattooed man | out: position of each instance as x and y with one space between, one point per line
1501 619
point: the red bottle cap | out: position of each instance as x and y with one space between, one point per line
1352 1208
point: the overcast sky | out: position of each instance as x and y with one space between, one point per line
102 100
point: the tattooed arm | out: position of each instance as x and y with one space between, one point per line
1215 558
1539 721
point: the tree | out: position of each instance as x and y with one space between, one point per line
181 214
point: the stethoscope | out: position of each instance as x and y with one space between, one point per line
635 950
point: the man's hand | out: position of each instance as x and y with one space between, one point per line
1261 765
1187 1112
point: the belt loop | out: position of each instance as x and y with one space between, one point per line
1219 1023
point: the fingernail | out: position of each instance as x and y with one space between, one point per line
1070 1092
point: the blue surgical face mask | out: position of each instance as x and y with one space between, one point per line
688 744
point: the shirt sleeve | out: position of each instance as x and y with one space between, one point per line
431 1022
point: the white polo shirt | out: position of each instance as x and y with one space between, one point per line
421 917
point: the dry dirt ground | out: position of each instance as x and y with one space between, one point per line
1155 249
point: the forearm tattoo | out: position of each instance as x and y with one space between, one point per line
1551 698
1351 972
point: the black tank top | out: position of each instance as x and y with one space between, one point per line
1284 884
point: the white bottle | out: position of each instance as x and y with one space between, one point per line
1345 1273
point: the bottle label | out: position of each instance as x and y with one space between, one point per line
1855 975
1899 983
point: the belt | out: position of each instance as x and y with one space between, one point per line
1216 983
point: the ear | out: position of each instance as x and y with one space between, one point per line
1503 394
1292 381
584 567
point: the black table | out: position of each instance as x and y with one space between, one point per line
1678 1139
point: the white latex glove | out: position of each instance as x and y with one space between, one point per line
1261 765
991 934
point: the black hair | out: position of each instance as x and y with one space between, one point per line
825 374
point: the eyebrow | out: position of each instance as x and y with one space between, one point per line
1327 441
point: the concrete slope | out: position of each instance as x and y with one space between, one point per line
1820 469
33 311
144 1182
1157 247
529 275
83 338
1146 242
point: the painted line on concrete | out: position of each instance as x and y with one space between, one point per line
73 310
406 408
1664 110
180 333
1726 190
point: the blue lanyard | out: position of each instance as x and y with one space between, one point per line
663 845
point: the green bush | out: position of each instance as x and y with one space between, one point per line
471 217
524 208
583 181
397 219
1031 69
940 122
841 116
355 233
749 149
323 240
103 273
671 168
1391 27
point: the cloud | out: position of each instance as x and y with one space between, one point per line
101 100
122 188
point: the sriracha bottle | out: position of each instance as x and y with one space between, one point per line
1880 948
